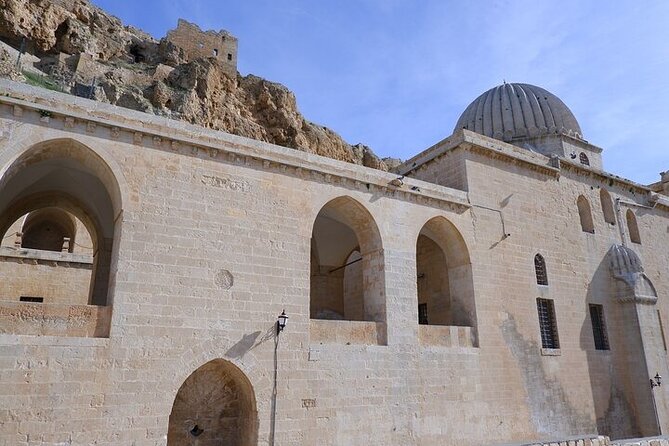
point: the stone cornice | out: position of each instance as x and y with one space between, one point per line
495 149
79 115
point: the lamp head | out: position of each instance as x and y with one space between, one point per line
281 322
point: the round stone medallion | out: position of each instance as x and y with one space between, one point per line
223 279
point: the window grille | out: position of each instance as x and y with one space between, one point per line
599 327
547 324
540 270
422 314
583 158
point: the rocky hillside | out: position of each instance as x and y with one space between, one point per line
75 47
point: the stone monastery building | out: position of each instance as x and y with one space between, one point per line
501 287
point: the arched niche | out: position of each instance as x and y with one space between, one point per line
585 214
633 227
214 406
607 206
49 229
444 275
347 280
64 177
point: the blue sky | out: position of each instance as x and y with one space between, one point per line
396 74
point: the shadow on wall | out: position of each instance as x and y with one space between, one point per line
616 417
248 342
552 415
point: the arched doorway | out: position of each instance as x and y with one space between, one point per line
214 406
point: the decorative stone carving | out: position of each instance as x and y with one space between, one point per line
224 279
633 284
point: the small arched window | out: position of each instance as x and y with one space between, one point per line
632 227
49 229
585 214
607 206
583 158
540 270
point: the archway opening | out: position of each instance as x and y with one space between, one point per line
214 406
444 276
346 264
54 196
47 257
49 229
60 190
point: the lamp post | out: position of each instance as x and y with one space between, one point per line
656 381
280 325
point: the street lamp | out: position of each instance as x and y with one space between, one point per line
656 381
281 322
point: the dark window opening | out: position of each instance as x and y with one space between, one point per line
540 270
31 299
599 327
229 56
583 158
547 324
422 314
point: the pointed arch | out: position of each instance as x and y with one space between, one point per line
49 229
445 289
643 287
585 214
216 404
66 176
348 281
633 227
607 206
540 270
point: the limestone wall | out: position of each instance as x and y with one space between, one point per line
214 241
55 277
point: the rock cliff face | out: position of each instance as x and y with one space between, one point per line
75 47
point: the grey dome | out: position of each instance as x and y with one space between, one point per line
511 111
